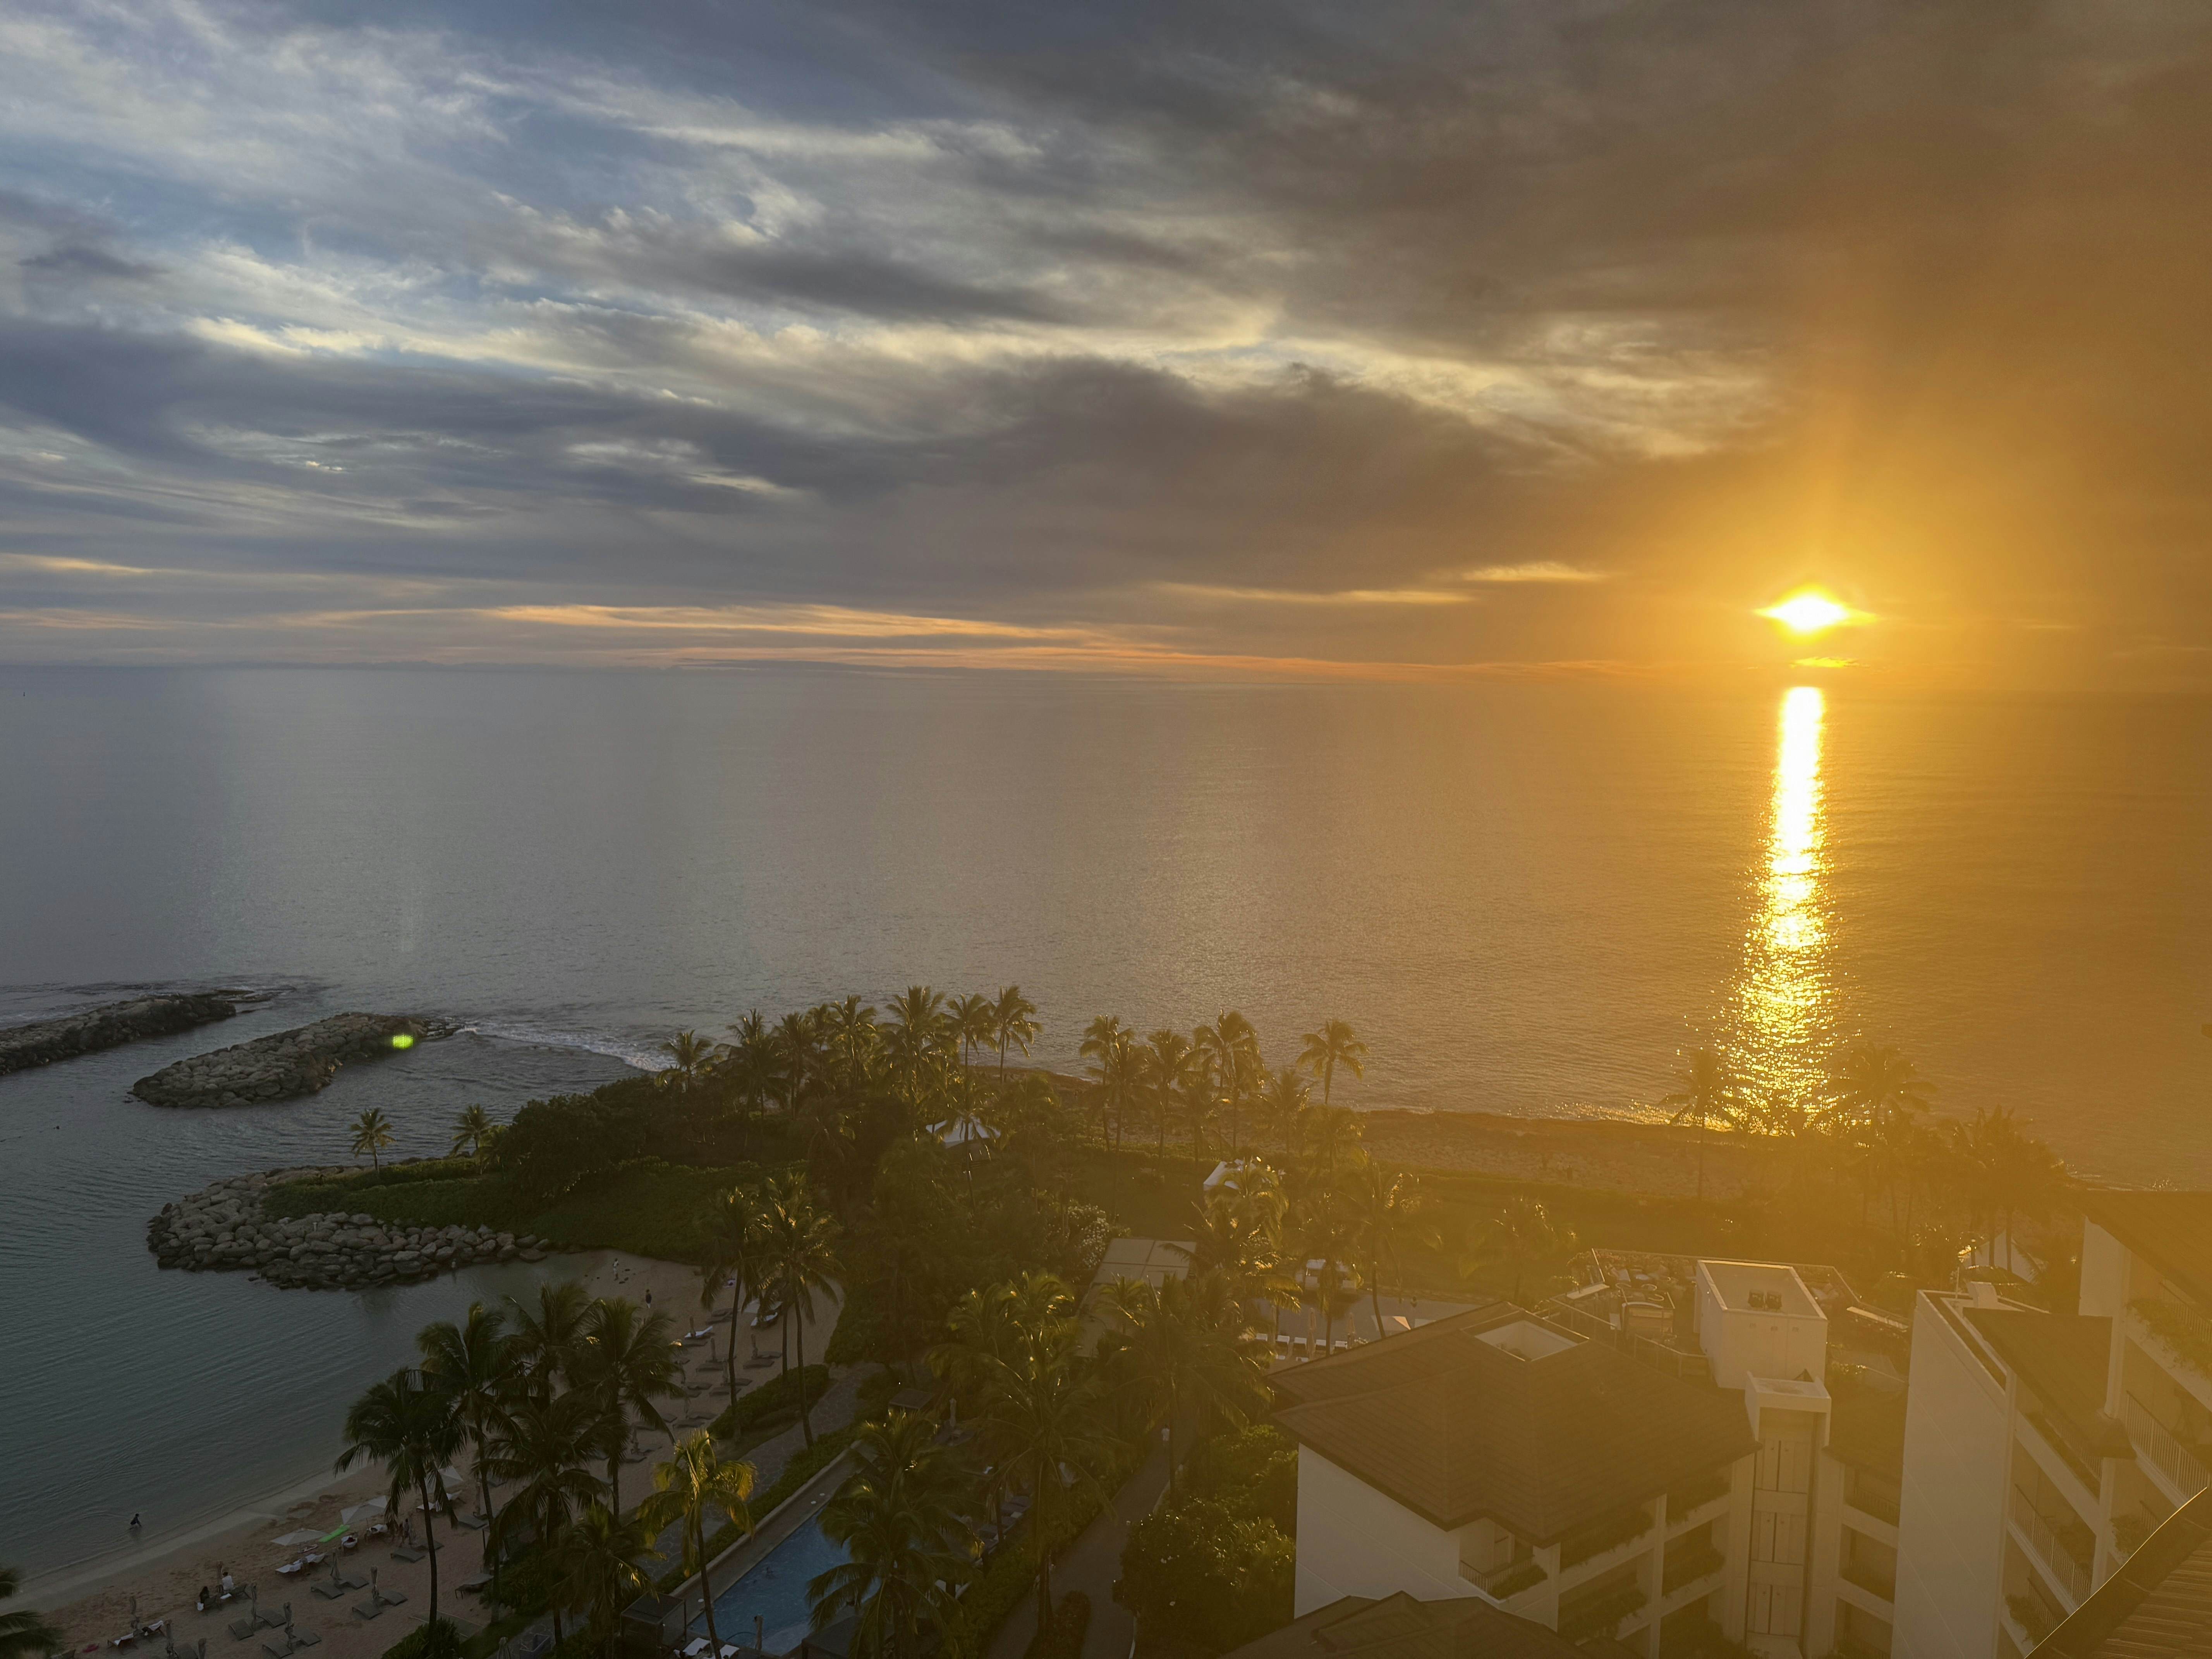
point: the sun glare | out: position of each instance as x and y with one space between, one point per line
1809 611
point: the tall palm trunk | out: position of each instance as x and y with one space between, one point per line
706 1590
1043 1536
430 1543
799 1337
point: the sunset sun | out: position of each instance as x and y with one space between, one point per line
1809 611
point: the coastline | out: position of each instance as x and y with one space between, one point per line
89 1600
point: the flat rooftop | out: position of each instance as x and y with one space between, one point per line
1760 1287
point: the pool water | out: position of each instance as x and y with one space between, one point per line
775 1592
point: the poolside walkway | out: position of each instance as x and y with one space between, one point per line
1091 1564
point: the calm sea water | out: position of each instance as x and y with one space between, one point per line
1528 899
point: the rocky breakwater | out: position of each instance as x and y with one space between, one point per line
112 1023
282 1067
221 1228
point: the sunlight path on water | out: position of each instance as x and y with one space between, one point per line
1780 1014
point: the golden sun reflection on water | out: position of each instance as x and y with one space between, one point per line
1782 993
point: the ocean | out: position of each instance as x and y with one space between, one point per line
1528 898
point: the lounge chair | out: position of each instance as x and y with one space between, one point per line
694 1647
410 1554
372 1609
242 1628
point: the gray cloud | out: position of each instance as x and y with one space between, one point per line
1079 315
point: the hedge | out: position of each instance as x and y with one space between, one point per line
779 1394
1011 1573
1071 1622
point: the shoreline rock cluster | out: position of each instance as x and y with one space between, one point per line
111 1025
221 1228
282 1066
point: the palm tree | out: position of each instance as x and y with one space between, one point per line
1040 1419
973 1019
1282 1098
1014 1022
686 1490
628 1356
372 1133
547 1445
1878 1088
1706 1093
850 1033
1383 1213
473 1131
413 1431
795 1038
1522 1236
1186 1344
902 1519
915 1032
736 1251
689 1056
474 1365
754 1066
802 1248
23 1635
1232 1049
1328 1138
1171 1066
1335 1044
599 1563
549 1339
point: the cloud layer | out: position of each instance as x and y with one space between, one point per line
1525 338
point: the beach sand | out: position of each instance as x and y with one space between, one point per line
93 1606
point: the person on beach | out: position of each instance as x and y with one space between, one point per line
222 1580
134 1522
203 1598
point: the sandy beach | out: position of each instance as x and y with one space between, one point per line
93 1606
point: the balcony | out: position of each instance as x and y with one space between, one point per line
1685 1501
1603 1535
2045 1545
2167 1455
1685 1566
1882 1586
1500 1583
1600 1614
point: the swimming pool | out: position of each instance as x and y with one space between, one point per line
775 1592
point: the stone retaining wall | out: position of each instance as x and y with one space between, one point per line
90 1029
221 1228
282 1066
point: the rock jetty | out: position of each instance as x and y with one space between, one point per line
110 1024
221 1229
282 1067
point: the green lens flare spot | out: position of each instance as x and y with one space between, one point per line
402 1040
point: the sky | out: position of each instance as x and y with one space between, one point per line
1509 338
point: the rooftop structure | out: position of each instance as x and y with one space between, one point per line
1498 1414
2158 1606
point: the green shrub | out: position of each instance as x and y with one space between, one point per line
1071 1622
1199 1570
777 1397
1253 1471
443 1640
1011 1573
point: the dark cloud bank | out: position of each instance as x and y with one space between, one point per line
1144 334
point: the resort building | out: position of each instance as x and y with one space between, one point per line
2043 1449
1604 1474
1400 1627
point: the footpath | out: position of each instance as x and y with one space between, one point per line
1091 1564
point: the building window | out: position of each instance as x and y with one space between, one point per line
1785 1463
1773 1610
1778 1538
